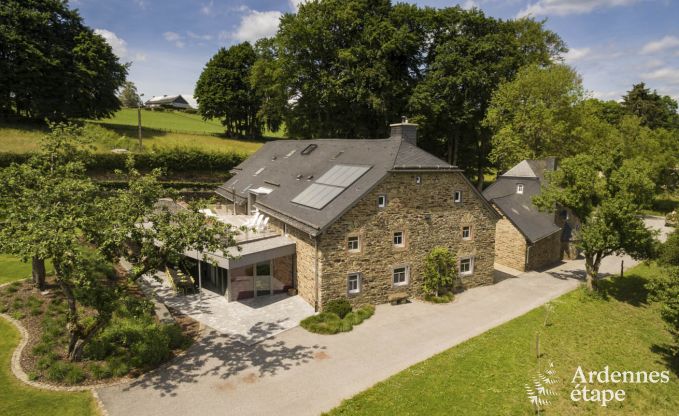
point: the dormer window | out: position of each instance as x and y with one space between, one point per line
519 188
457 196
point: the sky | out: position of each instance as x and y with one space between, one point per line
613 43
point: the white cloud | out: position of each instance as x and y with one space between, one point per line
668 42
256 25
175 38
118 45
142 4
469 4
669 75
576 54
206 8
193 35
295 4
139 57
566 7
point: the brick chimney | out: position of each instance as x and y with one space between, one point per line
404 131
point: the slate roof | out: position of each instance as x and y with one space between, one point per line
519 208
280 166
167 99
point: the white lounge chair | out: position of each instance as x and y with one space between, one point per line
263 225
253 220
258 223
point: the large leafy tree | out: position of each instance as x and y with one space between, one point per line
536 115
606 194
346 68
52 65
224 91
468 57
50 209
655 110
128 96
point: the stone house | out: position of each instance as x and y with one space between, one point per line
526 238
362 215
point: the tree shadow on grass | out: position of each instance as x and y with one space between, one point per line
226 356
629 289
669 356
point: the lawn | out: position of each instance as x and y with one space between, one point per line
487 374
11 268
17 399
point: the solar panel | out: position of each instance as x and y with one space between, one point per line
317 195
342 175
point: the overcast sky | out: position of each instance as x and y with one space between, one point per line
613 43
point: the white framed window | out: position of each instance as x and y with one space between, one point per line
399 240
353 283
418 180
467 232
466 266
353 244
519 188
381 201
400 276
457 196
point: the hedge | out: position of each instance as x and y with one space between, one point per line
174 160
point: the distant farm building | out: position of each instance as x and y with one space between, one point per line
168 101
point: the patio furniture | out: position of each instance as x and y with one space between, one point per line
253 220
181 282
263 225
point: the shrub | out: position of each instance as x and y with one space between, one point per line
74 374
363 313
32 376
118 367
13 289
176 337
43 348
440 271
18 315
45 362
340 307
4 308
443 298
99 371
323 323
57 371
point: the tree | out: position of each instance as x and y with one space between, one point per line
606 196
347 68
440 270
469 56
224 91
52 210
128 95
654 110
536 115
46 37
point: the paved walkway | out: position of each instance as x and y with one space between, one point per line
299 373
248 321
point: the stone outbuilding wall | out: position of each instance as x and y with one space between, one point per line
510 245
545 252
427 216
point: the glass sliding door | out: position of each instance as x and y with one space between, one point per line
263 278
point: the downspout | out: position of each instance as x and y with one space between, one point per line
316 276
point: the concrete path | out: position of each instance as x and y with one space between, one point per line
250 321
299 373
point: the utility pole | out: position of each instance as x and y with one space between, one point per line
139 119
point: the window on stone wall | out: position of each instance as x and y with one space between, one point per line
381 201
400 275
354 283
457 196
398 239
418 180
466 266
467 232
519 188
353 244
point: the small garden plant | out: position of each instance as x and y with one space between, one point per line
439 275
337 316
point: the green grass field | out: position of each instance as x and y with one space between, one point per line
16 398
486 375
160 129
11 269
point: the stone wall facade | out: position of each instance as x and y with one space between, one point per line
545 252
305 259
427 216
510 245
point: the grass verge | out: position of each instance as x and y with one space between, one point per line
17 399
11 269
487 374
